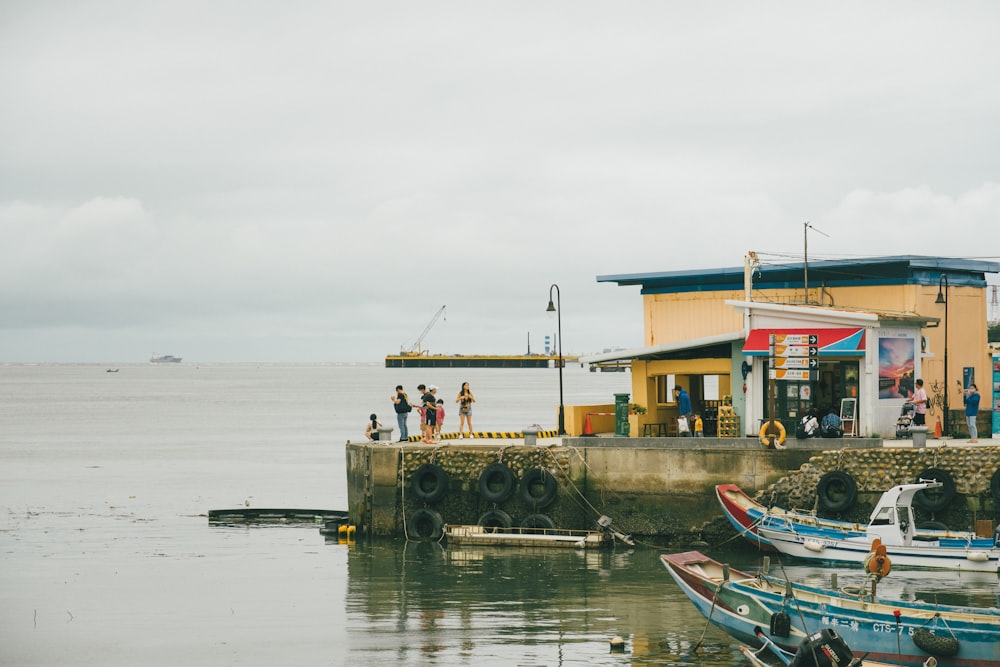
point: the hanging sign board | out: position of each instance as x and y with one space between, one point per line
789 374
793 356
795 351
809 339
794 362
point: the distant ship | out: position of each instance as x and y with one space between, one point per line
164 359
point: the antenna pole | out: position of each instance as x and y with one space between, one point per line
805 254
805 258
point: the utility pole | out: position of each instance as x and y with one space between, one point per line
806 226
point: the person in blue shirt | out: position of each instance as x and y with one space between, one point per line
684 408
971 399
831 426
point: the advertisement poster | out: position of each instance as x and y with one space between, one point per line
996 395
895 367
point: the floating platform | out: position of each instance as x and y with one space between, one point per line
265 515
465 535
475 360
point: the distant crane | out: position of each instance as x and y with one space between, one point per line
414 350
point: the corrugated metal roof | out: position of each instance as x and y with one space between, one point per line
655 351
890 270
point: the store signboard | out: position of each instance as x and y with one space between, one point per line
790 374
792 356
794 362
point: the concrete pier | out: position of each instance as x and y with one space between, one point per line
662 487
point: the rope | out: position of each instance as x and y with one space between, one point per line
938 617
708 619
742 533
402 490
790 593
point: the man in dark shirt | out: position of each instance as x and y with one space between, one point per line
403 408
429 401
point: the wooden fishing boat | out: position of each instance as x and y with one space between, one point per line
892 524
905 633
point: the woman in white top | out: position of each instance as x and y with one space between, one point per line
371 431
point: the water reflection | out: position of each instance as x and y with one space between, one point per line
410 602
419 603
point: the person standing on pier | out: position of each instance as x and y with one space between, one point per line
971 400
684 408
429 401
439 418
403 410
919 401
465 399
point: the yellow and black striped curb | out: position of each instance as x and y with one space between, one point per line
488 435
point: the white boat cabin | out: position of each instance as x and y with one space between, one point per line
892 519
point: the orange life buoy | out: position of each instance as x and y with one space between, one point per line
765 437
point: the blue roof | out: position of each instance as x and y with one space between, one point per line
892 270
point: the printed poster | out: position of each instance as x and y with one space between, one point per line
895 367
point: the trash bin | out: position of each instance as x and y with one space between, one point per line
385 434
530 435
919 435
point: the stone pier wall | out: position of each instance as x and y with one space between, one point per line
975 472
654 487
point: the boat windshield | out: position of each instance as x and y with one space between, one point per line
884 517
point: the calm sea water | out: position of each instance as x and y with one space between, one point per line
107 557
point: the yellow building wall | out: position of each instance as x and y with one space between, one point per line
670 318
685 316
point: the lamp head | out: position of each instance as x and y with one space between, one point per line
551 308
941 298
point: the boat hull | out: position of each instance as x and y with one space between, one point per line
745 514
744 603
737 505
821 546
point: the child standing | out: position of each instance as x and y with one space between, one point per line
440 417
699 431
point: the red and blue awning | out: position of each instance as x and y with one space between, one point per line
832 342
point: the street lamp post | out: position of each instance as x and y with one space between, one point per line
942 297
557 309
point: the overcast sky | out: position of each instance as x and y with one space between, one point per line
312 181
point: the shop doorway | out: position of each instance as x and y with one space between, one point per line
835 379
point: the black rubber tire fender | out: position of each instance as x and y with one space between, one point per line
935 644
935 500
539 487
497 482
538 521
995 485
837 490
425 525
495 519
429 483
